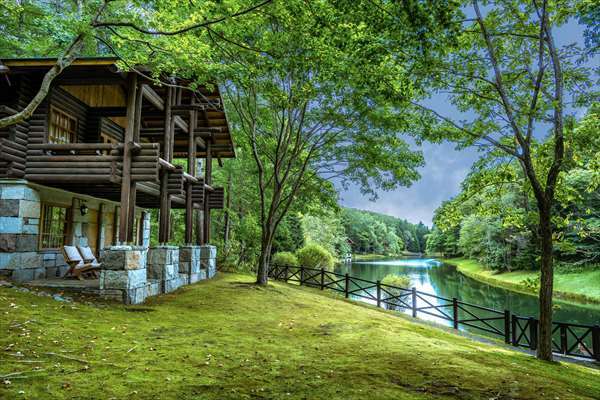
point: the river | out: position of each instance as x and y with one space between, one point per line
436 278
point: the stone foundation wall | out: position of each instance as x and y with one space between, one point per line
124 268
19 228
163 266
208 260
21 260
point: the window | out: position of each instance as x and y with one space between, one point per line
62 128
54 226
106 138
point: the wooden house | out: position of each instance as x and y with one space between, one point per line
99 152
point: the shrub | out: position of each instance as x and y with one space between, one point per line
396 299
315 256
401 281
284 258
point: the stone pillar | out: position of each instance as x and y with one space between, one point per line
163 267
124 268
19 228
189 264
208 260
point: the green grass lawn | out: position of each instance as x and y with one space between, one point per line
228 339
578 286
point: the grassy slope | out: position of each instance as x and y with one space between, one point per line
581 286
228 339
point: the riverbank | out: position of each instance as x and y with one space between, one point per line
580 287
229 339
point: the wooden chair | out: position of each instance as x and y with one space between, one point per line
88 255
78 267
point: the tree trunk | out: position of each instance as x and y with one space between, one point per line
262 274
544 351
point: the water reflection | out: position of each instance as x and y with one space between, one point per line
433 277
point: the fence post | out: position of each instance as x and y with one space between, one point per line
286 272
563 339
414 302
301 275
347 285
378 293
507 326
533 333
454 313
596 342
322 278
514 330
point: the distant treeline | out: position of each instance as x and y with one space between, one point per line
348 230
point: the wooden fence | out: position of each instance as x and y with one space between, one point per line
568 339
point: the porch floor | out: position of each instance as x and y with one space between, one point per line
66 284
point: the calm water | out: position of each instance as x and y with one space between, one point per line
431 276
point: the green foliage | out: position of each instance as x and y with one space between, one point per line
494 218
315 256
284 258
376 233
401 281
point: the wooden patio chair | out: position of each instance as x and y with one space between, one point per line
88 255
78 267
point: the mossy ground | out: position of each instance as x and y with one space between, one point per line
228 339
583 286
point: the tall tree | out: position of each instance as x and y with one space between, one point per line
510 75
306 107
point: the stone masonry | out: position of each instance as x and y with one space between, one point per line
163 267
124 268
189 263
19 227
208 260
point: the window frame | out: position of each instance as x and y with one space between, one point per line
66 229
55 109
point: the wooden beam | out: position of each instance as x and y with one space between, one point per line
153 97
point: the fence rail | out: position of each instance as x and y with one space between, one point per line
568 339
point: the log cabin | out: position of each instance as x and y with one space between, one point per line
104 148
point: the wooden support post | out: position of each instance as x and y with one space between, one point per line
507 326
124 221
322 278
137 121
414 302
208 181
533 333
165 201
596 342
346 285
100 225
455 313
189 209
514 326
71 222
563 339
378 293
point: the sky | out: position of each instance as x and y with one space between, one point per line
444 170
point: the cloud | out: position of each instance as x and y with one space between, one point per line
444 170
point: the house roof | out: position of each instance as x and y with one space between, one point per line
104 72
